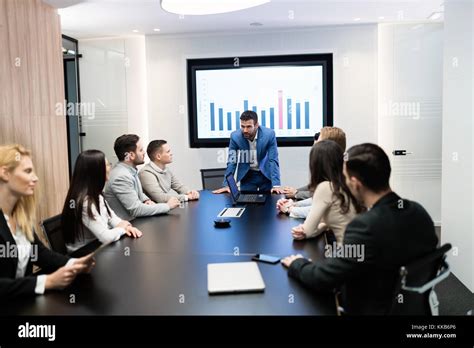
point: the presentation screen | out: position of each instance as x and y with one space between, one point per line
290 94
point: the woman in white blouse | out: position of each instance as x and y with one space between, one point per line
333 205
86 215
20 248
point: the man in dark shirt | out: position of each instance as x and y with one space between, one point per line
393 232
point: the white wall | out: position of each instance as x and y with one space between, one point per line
355 88
458 130
136 80
410 93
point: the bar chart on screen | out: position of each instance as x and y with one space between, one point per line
287 99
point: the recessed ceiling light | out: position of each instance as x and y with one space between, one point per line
156 29
381 17
135 30
205 7
357 19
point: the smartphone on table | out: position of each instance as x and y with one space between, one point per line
266 258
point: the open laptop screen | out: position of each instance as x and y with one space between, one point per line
234 190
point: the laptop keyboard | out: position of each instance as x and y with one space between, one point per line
249 198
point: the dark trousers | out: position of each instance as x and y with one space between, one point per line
255 181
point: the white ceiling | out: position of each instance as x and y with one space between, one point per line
101 18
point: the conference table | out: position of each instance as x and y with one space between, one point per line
165 271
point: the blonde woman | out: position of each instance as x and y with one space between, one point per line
20 248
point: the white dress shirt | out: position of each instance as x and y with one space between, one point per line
102 226
253 153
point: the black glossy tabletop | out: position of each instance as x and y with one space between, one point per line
165 271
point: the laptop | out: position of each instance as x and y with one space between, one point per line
234 277
238 197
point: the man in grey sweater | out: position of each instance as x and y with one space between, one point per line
158 181
123 191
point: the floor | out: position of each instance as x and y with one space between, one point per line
453 296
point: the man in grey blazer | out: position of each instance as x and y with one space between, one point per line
123 191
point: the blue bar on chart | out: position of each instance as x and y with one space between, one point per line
229 121
288 111
254 108
221 119
237 120
272 118
306 115
264 123
213 125
298 116
246 105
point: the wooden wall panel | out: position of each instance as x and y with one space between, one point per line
30 34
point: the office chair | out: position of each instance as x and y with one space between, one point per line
414 292
54 234
212 179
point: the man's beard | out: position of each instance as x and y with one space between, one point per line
137 162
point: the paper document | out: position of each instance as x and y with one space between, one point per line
231 212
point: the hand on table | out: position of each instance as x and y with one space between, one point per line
287 261
289 191
283 205
222 190
193 195
298 232
277 190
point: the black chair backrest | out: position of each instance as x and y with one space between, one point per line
416 274
212 179
52 230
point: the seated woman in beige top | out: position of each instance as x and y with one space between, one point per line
333 205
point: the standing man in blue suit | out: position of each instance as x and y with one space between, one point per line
253 153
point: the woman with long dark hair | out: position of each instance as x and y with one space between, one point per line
86 215
333 205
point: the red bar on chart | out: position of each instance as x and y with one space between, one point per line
280 109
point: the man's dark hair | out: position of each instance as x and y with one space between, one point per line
370 165
154 147
249 115
125 143
316 136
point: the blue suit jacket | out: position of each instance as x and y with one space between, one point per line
267 155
